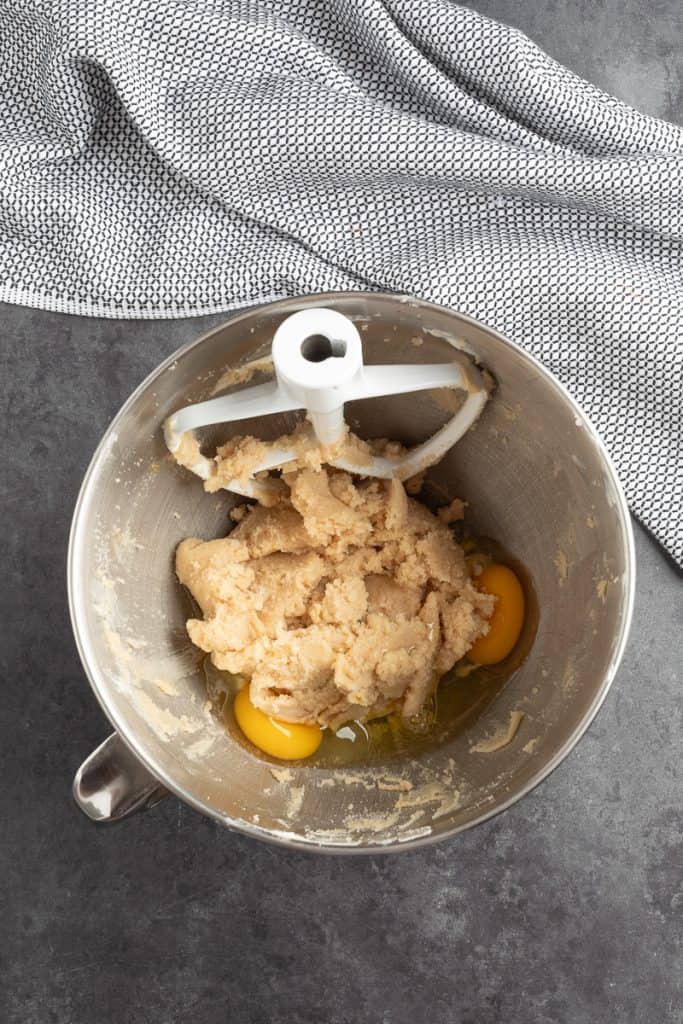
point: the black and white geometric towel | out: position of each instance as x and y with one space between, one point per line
175 158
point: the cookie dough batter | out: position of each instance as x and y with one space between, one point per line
339 599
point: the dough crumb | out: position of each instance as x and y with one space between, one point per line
501 736
452 513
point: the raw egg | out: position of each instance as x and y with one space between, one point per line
507 619
286 740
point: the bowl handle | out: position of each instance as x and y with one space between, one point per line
112 783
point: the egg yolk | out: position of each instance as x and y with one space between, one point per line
507 619
285 740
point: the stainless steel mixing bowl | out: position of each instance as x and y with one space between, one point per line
537 479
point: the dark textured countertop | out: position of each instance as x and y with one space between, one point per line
567 908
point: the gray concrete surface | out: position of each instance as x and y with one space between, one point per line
565 909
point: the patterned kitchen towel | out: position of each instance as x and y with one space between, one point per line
176 158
